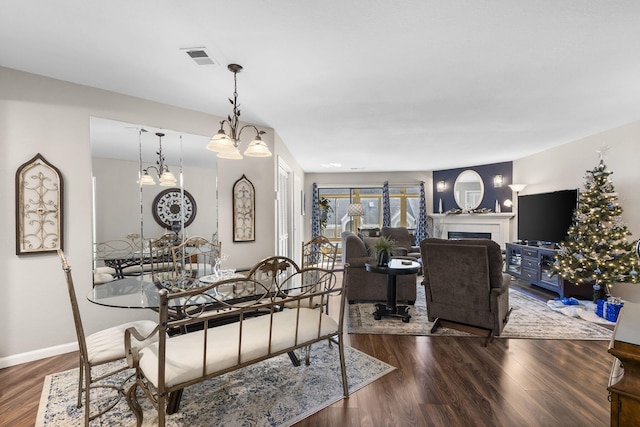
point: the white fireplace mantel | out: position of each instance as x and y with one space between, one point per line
498 224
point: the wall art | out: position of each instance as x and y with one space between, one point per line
39 207
244 220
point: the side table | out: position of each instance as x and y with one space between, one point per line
396 267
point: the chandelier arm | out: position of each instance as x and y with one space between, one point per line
146 170
232 127
258 132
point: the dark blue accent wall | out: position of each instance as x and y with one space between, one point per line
491 193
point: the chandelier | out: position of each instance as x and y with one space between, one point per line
165 176
226 145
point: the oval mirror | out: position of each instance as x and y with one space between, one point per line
468 190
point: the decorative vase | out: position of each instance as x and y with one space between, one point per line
215 270
383 258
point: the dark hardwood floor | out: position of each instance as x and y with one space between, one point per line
447 381
439 381
21 387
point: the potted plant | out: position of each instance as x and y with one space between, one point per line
325 209
382 250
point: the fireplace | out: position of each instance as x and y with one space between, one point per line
494 226
468 235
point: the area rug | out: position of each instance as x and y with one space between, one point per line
530 318
269 393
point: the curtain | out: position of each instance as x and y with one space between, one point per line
386 205
421 226
315 212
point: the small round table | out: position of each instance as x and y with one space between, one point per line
396 267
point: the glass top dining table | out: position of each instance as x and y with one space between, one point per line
143 291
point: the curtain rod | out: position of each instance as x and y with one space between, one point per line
391 185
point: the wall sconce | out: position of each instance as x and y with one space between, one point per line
440 186
498 181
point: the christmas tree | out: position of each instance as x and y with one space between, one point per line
596 250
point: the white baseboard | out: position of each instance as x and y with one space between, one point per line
42 353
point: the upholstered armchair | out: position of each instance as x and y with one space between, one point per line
465 286
403 238
365 286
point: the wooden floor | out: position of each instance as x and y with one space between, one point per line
440 381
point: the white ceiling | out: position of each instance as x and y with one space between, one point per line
380 85
129 141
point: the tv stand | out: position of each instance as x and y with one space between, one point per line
537 243
534 264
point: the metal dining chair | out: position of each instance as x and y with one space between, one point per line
98 349
196 257
319 252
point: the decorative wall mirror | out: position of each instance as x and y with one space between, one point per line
468 190
123 209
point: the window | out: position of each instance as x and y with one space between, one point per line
339 199
404 202
405 206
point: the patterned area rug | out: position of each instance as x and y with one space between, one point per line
270 393
530 318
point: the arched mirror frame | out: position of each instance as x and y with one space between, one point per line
466 196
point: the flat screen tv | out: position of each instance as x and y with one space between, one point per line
546 217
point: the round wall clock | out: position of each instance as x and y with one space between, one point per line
168 207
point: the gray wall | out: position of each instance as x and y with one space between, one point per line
565 167
117 200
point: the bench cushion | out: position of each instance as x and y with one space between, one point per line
185 353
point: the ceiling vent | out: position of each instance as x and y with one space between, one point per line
199 55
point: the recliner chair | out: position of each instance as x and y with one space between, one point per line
465 286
